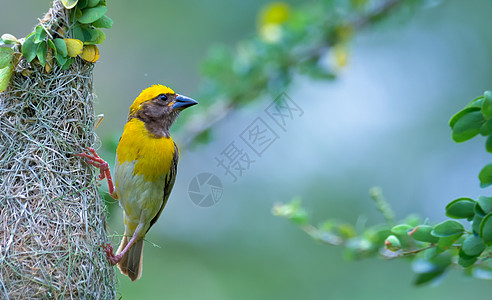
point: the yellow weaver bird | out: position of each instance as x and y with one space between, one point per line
144 172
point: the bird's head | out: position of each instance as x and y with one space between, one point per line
158 106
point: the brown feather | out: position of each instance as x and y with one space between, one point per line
131 263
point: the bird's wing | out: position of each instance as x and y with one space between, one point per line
168 185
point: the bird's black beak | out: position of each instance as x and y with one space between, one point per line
183 102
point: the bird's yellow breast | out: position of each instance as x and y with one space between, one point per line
153 156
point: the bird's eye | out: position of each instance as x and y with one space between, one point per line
163 97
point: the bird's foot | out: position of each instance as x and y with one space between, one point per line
96 161
102 165
113 259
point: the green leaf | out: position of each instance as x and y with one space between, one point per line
488 144
477 220
5 56
29 48
473 245
460 114
5 75
61 47
60 59
69 4
68 63
461 208
82 4
485 176
478 210
92 3
486 229
477 102
401 229
101 36
485 204
9 39
91 34
51 44
424 278
448 228
39 35
103 22
467 126
41 53
392 243
487 104
486 128
78 32
92 14
423 234
445 243
467 262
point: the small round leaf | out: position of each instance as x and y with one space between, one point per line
39 34
487 104
467 126
90 53
74 47
392 243
488 144
82 4
486 128
61 47
69 4
445 242
92 14
461 113
422 233
401 229
29 48
473 245
461 208
9 39
485 176
103 22
477 220
485 203
92 3
466 262
424 278
486 229
41 53
448 228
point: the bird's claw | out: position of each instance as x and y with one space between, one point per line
113 259
101 164
95 161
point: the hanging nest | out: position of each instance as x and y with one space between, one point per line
52 219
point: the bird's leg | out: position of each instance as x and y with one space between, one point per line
114 259
103 166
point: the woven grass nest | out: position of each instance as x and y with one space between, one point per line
52 219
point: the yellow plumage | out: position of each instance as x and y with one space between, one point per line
153 156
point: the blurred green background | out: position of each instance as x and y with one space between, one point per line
382 122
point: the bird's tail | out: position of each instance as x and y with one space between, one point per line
131 263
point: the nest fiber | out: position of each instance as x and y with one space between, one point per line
52 220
